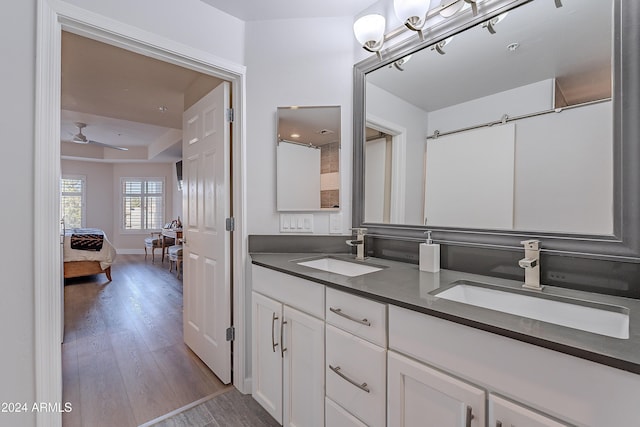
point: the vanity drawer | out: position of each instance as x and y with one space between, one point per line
293 291
336 416
356 375
360 316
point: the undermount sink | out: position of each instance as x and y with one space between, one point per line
339 266
590 316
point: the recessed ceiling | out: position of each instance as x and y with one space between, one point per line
126 99
262 10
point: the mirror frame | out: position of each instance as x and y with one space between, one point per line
624 243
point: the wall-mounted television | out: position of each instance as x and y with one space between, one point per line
179 174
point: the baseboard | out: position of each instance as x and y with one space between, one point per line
247 386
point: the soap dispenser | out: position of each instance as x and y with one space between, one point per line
429 255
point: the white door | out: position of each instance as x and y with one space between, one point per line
266 357
504 413
303 373
422 396
206 205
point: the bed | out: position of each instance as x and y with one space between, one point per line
87 251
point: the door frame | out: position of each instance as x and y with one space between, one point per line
53 17
398 163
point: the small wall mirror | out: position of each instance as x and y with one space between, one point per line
308 158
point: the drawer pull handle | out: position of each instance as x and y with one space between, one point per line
470 416
362 386
274 344
498 423
282 347
339 312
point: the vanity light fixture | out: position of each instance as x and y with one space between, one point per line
439 47
414 14
369 31
400 62
491 23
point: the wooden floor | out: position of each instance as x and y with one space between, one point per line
123 357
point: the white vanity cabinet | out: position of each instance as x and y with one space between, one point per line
356 355
545 387
288 347
505 413
420 396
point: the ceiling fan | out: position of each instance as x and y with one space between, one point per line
81 138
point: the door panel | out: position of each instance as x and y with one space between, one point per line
206 202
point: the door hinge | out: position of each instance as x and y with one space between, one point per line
230 115
231 333
231 224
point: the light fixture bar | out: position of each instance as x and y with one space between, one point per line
377 47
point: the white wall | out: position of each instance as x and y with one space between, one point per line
389 107
99 192
191 22
17 116
305 62
103 196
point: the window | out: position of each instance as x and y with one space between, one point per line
142 203
72 201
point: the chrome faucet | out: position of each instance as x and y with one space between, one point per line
531 264
358 242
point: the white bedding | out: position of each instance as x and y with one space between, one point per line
106 255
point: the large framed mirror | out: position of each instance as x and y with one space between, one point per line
308 158
512 124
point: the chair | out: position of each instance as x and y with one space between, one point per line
175 255
155 242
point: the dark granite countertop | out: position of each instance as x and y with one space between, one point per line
404 285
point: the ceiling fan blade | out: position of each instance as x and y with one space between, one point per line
107 145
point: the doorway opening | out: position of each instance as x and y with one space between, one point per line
114 93
47 262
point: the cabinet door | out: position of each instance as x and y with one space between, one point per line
266 357
422 396
504 413
303 341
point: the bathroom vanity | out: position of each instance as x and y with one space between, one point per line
382 348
